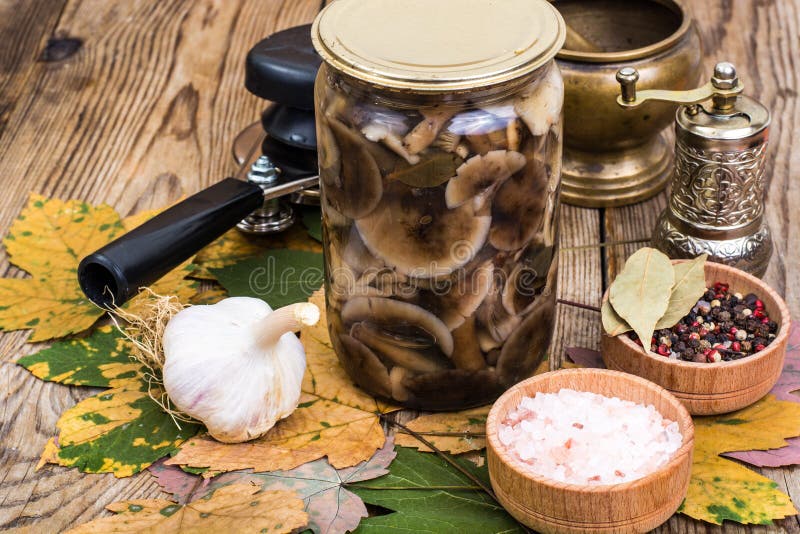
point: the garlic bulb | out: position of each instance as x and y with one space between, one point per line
236 365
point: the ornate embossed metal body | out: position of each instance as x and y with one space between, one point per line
719 181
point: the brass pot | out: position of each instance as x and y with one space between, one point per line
612 156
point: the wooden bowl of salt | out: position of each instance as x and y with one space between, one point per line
548 505
711 388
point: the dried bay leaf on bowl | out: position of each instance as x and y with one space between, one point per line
613 324
690 285
640 294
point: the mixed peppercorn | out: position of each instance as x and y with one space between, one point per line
722 326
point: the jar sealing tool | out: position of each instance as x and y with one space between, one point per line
278 161
716 205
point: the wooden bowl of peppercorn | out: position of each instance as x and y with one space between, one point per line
706 377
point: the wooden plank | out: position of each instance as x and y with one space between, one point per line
145 112
580 279
38 18
761 39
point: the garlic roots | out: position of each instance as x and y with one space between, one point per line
236 365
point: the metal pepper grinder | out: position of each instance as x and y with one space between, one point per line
716 205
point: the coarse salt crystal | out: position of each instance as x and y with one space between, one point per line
580 437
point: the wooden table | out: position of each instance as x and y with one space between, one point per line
145 111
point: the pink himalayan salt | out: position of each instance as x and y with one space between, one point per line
584 438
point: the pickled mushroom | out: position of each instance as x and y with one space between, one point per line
466 354
386 311
392 349
480 176
530 274
540 107
424 133
357 189
362 362
413 231
518 207
377 132
526 347
462 296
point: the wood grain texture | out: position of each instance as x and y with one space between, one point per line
145 111
142 114
580 280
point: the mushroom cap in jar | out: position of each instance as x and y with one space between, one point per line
412 230
357 189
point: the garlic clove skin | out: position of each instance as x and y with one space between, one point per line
231 367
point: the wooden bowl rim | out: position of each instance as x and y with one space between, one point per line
783 332
684 421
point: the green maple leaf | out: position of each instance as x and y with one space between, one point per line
120 430
428 495
279 277
312 220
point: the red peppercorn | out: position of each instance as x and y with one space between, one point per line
638 341
703 331
759 314
721 286
733 330
760 347
694 335
759 305
736 346
695 324
719 296
663 350
706 352
765 320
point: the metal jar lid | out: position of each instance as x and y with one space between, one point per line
438 46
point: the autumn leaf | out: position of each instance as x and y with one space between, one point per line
454 432
312 220
331 507
427 494
279 277
235 246
585 357
788 382
234 508
119 430
468 429
101 360
334 419
48 240
722 489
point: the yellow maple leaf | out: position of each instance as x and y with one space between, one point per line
48 240
235 246
723 489
233 508
334 419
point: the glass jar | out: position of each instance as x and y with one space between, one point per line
440 164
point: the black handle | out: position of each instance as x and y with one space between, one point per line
116 272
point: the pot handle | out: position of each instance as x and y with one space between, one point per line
116 272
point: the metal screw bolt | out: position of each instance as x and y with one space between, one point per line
724 76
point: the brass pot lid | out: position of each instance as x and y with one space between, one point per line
438 46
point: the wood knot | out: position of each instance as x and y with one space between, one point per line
60 48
